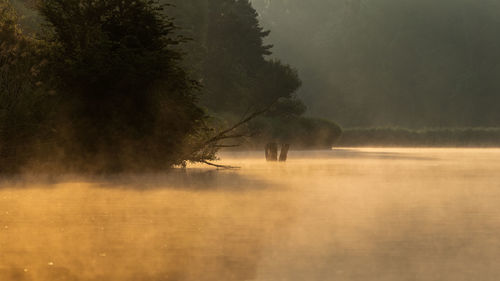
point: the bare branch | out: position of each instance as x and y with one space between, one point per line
227 145
211 145
219 166
228 137
223 134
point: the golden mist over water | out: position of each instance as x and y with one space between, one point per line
347 214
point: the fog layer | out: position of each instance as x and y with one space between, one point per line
391 62
368 214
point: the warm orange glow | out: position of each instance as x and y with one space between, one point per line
349 214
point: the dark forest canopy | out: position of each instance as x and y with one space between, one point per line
392 62
229 57
102 90
116 85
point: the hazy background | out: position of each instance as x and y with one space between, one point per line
392 62
109 102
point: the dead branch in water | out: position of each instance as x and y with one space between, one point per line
206 149
227 145
224 134
220 166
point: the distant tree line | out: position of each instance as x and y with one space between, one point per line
404 63
432 137
114 85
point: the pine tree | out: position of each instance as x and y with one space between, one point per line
129 101
236 71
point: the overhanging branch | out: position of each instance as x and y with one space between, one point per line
219 166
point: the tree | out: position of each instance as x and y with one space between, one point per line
234 69
23 101
129 102
232 62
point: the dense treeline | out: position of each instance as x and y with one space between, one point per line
437 137
229 57
118 85
232 65
24 103
392 62
101 90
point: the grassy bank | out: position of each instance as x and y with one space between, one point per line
432 137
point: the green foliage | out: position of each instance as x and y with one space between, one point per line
29 18
23 102
300 132
130 103
104 87
237 74
437 137
287 108
102 90
229 43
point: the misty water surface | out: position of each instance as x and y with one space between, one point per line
347 214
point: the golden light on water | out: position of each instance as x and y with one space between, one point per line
347 214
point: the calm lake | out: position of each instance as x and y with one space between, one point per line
346 214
